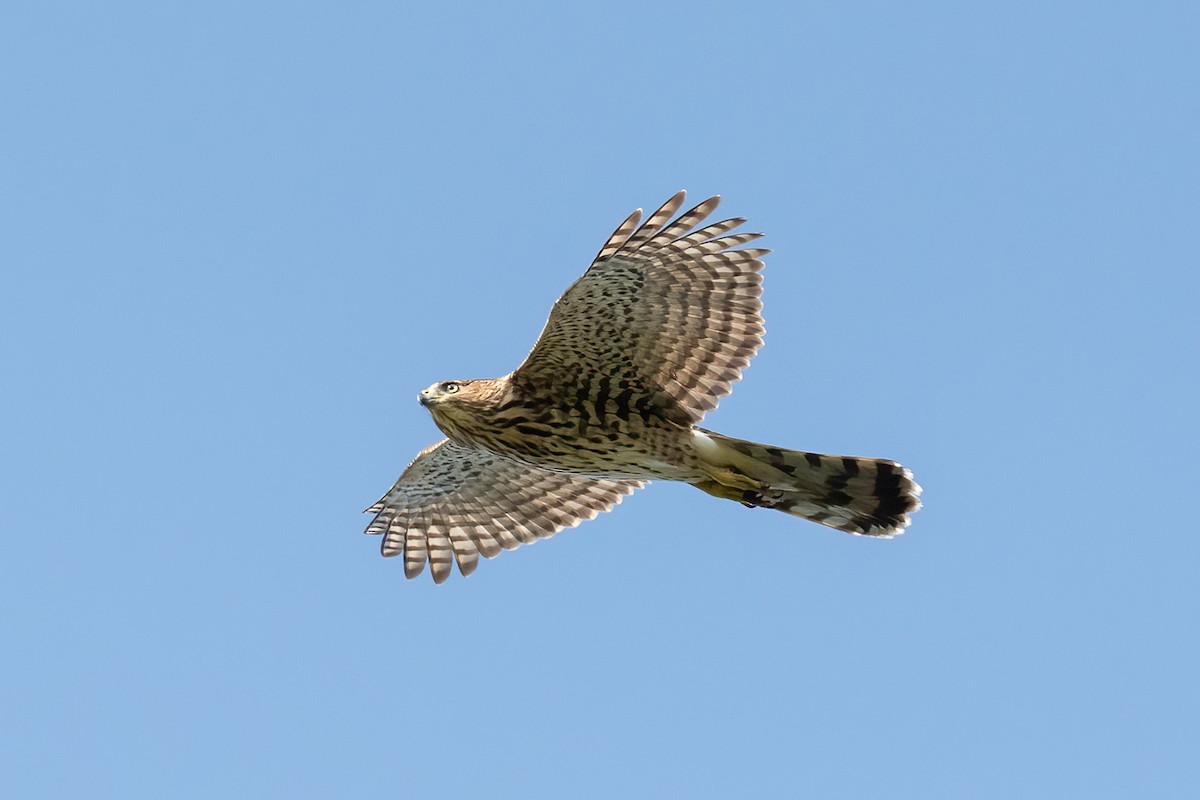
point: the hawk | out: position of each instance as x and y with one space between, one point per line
634 354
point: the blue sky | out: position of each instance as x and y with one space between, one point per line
239 237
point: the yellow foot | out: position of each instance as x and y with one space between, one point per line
719 490
750 498
733 478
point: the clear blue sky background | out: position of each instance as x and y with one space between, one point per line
237 239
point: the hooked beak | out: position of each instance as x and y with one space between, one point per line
424 399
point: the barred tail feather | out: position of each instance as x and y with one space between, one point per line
866 496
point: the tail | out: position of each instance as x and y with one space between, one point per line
866 496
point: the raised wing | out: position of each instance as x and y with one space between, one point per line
456 500
667 313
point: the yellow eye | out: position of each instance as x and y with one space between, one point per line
450 388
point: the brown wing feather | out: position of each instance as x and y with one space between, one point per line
672 312
454 503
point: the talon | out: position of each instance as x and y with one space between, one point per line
752 499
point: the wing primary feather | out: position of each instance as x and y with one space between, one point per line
619 236
706 233
394 536
465 553
687 220
481 532
441 558
415 545
654 223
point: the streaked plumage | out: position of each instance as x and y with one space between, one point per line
634 353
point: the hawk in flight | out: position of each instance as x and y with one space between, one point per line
649 339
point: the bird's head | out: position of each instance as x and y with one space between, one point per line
455 405
445 394
445 401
